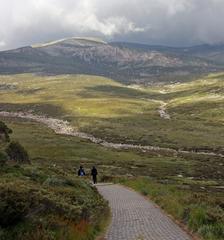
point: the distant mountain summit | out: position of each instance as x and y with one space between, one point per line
126 62
88 41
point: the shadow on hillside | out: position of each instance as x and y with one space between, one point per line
36 108
126 92
118 91
30 91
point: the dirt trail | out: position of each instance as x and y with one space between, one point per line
63 127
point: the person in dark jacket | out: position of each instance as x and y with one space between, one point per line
81 172
94 174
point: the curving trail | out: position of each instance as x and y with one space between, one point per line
137 218
63 127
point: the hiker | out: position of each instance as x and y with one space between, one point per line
81 172
94 174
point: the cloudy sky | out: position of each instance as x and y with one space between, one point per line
167 22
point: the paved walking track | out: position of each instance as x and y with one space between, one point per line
136 218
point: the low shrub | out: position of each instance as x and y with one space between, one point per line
5 131
14 206
56 181
17 152
3 159
48 206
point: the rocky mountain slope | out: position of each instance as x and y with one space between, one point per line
126 62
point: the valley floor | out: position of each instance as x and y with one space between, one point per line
63 127
181 166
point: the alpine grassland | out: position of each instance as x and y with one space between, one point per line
183 173
119 113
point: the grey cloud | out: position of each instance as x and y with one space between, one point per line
168 22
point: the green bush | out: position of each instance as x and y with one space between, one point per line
3 159
17 153
13 207
57 182
48 204
4 130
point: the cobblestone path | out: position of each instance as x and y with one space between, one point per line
136 218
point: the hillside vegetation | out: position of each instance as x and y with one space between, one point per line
45 202
188 186
127 114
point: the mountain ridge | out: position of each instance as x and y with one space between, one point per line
125 62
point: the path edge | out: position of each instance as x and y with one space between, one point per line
183 226
108 221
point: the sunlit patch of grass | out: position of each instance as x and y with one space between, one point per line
68 93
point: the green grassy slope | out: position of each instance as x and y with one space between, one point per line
119 113
190 187
44 201
182 186
47 148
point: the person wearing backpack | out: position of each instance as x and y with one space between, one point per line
81 172
94 174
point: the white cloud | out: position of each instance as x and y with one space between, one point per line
2 43
171 22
